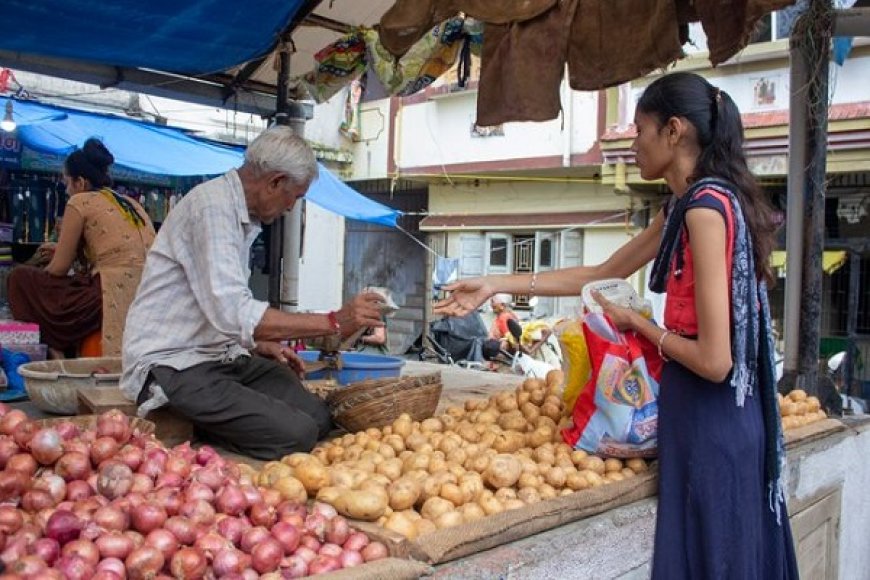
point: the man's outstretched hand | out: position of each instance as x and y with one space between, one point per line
363 311
465 296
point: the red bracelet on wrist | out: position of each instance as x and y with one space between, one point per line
333 321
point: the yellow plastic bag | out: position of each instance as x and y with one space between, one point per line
575 360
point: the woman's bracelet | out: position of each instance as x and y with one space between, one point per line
661 343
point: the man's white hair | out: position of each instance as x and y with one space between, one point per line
280 149
502 299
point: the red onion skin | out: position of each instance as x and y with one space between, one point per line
230 561
198 511
182 528
28 566
333 550
131 456
323 564
111 518
73 465
142 483
266 556
196 490
295 567
46 446
144 563
163 540
53 484
107 575
311 542
78 445
349 559
231 500
374 551
47 549
252 494
11 420
337 530
205 454
8 448
5 408
189 564
287 535
35 500
138 539
78 490
232 529
114 480
147 517
67 430
171 499
11 519
253 537
84 549
178 465
63 526
103 448
305 553
114 424
74 568
23 463
114 566
114 545
356 542
211 544
15 549
324 509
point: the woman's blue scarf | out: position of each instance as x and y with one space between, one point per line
752 349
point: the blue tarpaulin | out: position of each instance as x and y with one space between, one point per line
162 150
192 36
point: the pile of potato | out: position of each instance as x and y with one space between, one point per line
797 409
489 456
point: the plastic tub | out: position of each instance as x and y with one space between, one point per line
356 366
53 385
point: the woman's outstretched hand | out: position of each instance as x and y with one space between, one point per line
465 296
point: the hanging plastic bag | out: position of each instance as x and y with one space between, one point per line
575 360
616 414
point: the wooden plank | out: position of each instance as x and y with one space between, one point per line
812 432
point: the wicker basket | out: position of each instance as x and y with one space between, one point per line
379 402
85 422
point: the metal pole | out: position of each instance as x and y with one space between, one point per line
852 22
292 224
852 319
797 156
276 230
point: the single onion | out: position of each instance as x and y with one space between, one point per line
53 484
63 526
287 535
47 549
142 483
188 563
28 566
305 553
374 551
163 540
40 519
185 451
145 562
263 515
337 530
323 564
23 463
230 500
205 454
198 511
114 566
182 528
8 448
253 537
252 494
110 518
91 531
171 500
12 484
210 544
178 465
324 509
114 424
11 519
103 448
114 545
356 541
315 524
73 465
271 497
294 567
115 479
147 517
137 538
11 420
130 455
292 508
67 430
24 432
349 559
266 555
46 446
84 549
311 542
232 528
210 475
74 568
78 490
15 549
230 561
78 445
168 479
328 549
197 490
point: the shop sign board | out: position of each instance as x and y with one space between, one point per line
10 150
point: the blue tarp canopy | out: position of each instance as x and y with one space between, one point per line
162 150
192 36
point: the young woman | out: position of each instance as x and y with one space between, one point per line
721 508
112 233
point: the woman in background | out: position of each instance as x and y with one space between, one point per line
111 233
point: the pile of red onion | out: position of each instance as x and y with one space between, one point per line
110 503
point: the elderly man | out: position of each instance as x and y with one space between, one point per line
194 324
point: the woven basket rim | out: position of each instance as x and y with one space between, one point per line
375 410
86 421
372 388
